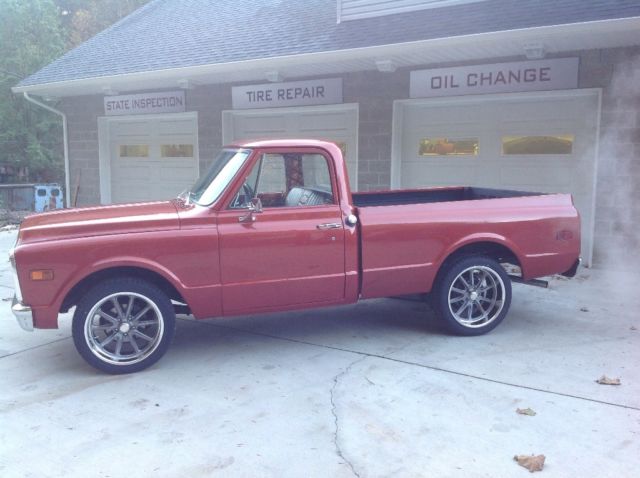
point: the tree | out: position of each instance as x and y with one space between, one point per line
31 36
83 19
33 33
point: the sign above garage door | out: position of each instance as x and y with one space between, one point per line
294 93
540 75
145 103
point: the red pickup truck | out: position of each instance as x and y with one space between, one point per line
274 226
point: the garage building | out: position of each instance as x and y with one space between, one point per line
528 95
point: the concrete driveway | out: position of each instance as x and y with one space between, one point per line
373 390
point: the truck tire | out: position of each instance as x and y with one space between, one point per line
472 295
123 325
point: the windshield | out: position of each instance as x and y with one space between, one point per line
210 185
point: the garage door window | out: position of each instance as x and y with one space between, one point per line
134 150
560 144
448 147
176 150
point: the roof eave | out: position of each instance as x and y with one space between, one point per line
566 37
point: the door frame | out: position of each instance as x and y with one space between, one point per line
397 129
104 145
229 115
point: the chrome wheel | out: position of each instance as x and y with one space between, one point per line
476 296
124 328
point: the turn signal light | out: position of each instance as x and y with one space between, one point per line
41 274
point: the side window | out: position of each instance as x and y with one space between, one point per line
316 172
272 178
287 180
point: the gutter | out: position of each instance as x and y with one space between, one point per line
65 140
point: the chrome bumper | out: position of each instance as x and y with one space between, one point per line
23 314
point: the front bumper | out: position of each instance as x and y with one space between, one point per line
23 313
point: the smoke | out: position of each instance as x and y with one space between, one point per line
618 194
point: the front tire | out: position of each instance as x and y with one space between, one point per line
473 295
123 325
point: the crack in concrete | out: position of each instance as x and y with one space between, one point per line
334 412
421 365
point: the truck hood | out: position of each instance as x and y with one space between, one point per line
99 221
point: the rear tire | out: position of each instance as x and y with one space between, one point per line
472 295
123 325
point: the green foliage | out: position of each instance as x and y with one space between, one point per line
82 19
31 36
33 33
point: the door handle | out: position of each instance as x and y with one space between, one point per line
329 225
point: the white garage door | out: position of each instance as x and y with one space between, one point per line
543 142
337 123
152 158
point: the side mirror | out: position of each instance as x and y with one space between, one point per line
254 207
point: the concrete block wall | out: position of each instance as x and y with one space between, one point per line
82 122
375 93
617 228
209 101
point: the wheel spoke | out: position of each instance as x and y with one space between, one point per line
457 299
118 348
140 314
129 306
137 333
464 281
459 291
116 304
144 323
134 344
106 316
105 328
108 340
464 306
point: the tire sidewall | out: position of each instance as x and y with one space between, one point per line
113 286
452 271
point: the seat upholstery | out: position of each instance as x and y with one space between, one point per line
304 197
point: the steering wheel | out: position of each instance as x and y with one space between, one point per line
246 194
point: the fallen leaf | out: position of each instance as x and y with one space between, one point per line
584 309
526 411
6 299
531 463
604 380
632 327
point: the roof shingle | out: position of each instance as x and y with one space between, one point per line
168 34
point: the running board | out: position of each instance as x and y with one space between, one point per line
534 282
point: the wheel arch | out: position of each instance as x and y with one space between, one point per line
82 285
495 247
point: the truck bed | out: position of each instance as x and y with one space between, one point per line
421 196
407 236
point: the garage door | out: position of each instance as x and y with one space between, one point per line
152 158
337 123
542 142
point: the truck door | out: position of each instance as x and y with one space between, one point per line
292 253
